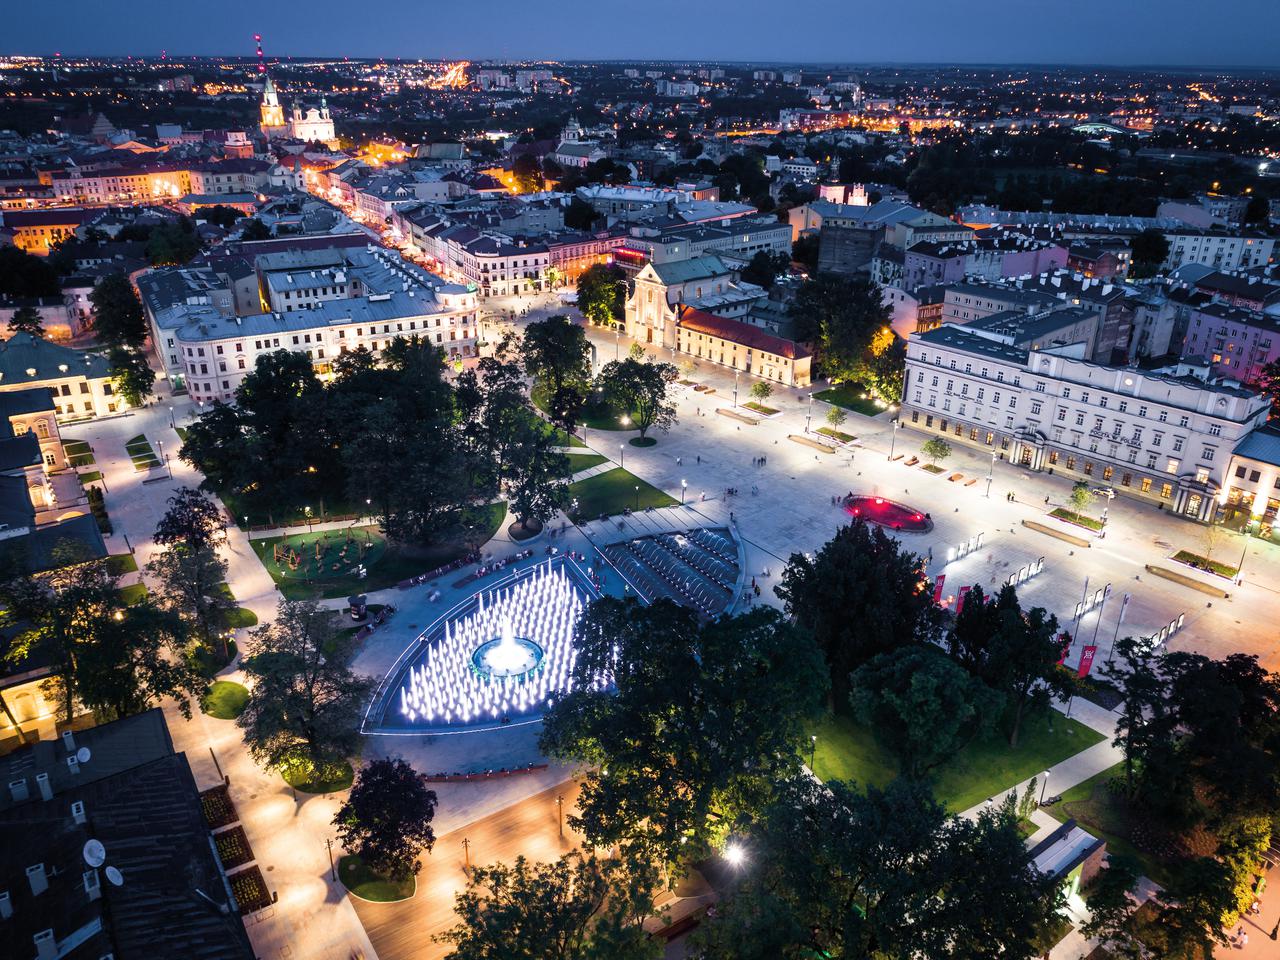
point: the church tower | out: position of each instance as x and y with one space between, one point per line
271 111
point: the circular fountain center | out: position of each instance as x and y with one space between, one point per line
506 656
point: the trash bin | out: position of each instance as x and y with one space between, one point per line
359 607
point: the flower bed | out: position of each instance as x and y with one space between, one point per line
233 848
250 890
1204 563
761 409
1078 519
837 435
934 468
217 807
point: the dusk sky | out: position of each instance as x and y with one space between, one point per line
1238 32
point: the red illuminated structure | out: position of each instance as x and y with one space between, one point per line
888 513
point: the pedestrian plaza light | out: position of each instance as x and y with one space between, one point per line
735 855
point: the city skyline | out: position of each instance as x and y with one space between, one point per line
983 32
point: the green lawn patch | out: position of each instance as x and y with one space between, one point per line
140 452
323 509
851 396
209 660
1106 814
181 432
386 569
238 617
597 413
760 408
1079 519
612 492
1204 563
225 700
76 448
835 434
934 468
367 885
81 460
583 461
122 563
91 476
848 750
134 593
308 779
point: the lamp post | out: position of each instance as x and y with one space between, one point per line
893 437
735 388
466 852
684 485
172 423
991 472
333 872
1044 786
808 414
307 511
622 454
560 813
813 750
164 459
637 496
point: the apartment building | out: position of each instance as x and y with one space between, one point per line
1167 436
1236 341
81 382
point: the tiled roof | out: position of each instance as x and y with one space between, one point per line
23 352
735 331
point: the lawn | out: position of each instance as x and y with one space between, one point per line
760 408
583 461
181 432
848 751
239 617
597 413
851 396
122 563
209 660
612 492
367 885
835 434
225 700
91 476
390 567
1106 815
134 593
1079 519
140 452
306 778
1203 563
78 453
333 508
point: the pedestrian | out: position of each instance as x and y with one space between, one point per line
1046 500
699 458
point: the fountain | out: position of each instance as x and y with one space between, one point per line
510 656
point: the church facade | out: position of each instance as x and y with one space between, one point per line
313 124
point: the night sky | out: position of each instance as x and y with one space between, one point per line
1139 32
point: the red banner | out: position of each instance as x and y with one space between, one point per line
1086 661
960 599
937 587
1065 640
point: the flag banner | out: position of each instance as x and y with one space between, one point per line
1086 661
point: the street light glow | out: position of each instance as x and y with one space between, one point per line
735 855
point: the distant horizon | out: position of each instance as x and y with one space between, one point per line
1142 34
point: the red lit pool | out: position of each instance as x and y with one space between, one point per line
888 513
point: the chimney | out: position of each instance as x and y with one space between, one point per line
92 885
46 791
18 790
73 765
46 945
77 812
6 906
69 741
36 877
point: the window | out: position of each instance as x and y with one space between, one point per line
1107 474
1184 421
1253 476
1040 386
1123 406
1102 401
1177 444
1202 475
1053 458
1062 415
241 363
1066 393
1142 411
1088 468
1145 486
1171 466
1240 472
1035 406
1079 419
1157 438
1151 460
1166 491
1215 429
1206 453
1071 463
1013 403
1163 416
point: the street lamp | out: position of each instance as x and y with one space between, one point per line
808 414
684 485
307 511
1044 786
560 812
172 423
466 850
813 749
893 438
735 855
637 496
991 472
735 388
622 454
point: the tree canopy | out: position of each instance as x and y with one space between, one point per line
639 389
842 317
386 818
117 312
602 293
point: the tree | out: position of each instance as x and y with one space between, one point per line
527 173
27 319
1111 905
1269 385
578 908
1081 496
386 818
555 352
761 391
840 316
935 449
860 596
131 374
602 294
1014 652
26 276
220 215
704 720
192 521
254 229
535 482
303 710
922 704
836 417
580 215
838 872
1150 251
1257 212
114 659
173 243
117 312
639 389
763 268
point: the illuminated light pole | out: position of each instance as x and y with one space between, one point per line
307 511
560 813
808 414
466 852
172 423
622 454
684 485
991 472
1044 786
735 388
637 496
893 438
813 750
